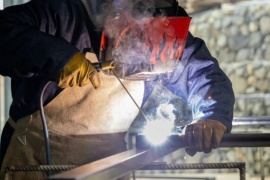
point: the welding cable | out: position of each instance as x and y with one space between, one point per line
45 128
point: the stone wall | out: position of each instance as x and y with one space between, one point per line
239 37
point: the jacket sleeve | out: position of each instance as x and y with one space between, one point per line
209 91
29 41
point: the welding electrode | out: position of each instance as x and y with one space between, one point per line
105 65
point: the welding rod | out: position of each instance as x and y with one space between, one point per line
136 104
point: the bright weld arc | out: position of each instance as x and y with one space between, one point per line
157 131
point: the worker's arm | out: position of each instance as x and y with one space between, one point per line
210 95
36 40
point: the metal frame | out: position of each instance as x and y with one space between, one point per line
121 164
228 140
115 166
251 121
240 166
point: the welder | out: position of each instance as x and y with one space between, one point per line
88 112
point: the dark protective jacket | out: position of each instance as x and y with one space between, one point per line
38 38
36 41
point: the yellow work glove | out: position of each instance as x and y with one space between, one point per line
78 72
203 136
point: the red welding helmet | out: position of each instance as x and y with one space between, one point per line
143 47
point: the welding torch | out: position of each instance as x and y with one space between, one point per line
105 65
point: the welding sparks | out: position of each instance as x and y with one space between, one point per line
157 131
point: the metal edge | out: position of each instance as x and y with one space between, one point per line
114 166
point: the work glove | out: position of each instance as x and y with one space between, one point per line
203 136
79 71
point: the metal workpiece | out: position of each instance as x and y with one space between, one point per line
246 140
144 154
115 166
163 166
251 121
39 168
45 168
228 140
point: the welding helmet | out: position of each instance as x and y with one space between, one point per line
144 38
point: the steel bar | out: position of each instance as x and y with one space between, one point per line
39 168
120 164
10 169
237 165
148 177
246 140
114 166
165 166
228 140
251 121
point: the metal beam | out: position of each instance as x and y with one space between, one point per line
114 166
121 164
251 121
228 140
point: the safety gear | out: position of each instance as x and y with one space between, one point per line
94 112
83 124
78 72
84 129
144 48
203 136
32 150
141 46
